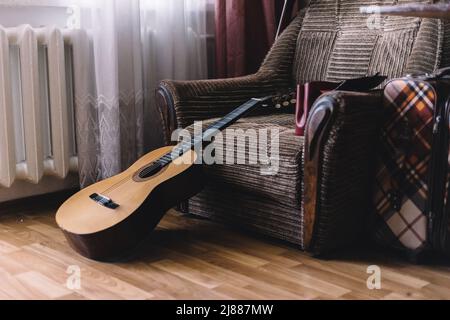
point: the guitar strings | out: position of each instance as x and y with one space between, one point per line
121 182
144 172
116 185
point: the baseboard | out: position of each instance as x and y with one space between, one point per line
22 189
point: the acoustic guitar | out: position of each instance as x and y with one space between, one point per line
110 218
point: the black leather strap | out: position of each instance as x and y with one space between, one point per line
442 73
362 84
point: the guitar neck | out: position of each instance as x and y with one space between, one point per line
212 130
228 120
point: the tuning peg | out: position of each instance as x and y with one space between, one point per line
278 106
286 104
293 101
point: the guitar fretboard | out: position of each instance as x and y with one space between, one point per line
211 131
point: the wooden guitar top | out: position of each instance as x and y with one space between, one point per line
81 215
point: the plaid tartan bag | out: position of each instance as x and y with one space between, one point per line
411 195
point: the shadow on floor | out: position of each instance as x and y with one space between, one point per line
184 238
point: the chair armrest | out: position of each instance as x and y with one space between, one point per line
340 140
183 102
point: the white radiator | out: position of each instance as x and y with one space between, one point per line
37 135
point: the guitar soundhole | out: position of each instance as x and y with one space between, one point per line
149 171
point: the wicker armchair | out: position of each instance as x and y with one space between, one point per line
329 40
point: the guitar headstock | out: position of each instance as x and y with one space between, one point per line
283 101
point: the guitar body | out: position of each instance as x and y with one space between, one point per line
108 219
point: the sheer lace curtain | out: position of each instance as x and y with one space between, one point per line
131 45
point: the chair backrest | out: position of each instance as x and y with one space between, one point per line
337 42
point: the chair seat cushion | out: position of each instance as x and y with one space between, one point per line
283 184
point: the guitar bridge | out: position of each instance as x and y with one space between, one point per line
104 201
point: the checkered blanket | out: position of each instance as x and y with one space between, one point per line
401 190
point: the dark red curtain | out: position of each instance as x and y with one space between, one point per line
245 31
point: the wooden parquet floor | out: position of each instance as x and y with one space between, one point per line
187 258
